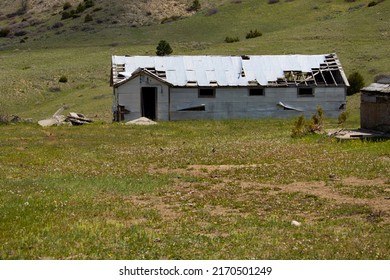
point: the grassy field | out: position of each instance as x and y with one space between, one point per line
30 71
191 190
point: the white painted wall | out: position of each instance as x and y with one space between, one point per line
228 103
129 95
236 103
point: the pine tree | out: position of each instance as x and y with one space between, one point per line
163 48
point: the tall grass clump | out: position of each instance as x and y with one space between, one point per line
253 34
231 39
303 127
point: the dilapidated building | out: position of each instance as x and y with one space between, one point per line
226 87
375 106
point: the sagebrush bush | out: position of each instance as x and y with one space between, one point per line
4 32
374 3
66 6
231 39
63 79
89 3
195 6
253 34
88 18
66 15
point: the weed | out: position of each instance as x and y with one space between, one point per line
195 6
88 18
342 118
253 34
299 129
63 79
302 127
231 39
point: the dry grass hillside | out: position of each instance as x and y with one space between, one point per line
133 12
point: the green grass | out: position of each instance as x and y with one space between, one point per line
191 189
29 72
188 190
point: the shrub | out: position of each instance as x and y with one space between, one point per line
231 39
88 18
195 6
66 6
374 3
63 79
66 15
89 3
57 25
302 127
342 117
163 48
253 34
4 32
356 82
299 128
80 8
317 120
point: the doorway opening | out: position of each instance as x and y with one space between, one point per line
149 102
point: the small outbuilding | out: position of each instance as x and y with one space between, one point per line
375 106
226 87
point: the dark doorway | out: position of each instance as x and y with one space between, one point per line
148 102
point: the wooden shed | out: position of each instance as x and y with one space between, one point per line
375 106
226 87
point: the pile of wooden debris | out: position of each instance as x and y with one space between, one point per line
345 134
70 119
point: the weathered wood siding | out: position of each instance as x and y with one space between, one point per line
375 111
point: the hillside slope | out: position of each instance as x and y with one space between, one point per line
38 14
31 64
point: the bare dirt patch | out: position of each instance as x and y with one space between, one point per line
184 194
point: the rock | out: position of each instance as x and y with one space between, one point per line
141 121
296 223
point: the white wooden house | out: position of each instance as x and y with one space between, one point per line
226 87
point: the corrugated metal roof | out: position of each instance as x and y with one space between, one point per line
223 70
377 87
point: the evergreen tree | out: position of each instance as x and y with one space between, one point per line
163 48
